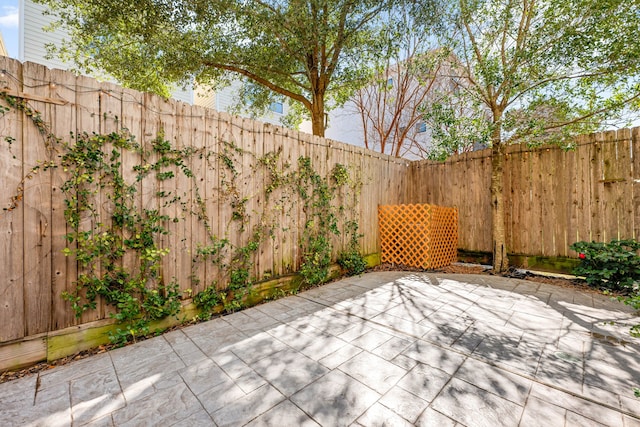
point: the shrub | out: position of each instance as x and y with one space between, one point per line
352 262
207 299
613 266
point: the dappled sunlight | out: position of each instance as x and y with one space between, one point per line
347 351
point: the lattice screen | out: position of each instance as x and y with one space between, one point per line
424 236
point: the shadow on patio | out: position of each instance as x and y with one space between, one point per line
385 348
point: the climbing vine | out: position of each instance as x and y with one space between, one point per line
136 292
117 241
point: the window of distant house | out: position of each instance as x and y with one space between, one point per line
277 107
421 127
390 82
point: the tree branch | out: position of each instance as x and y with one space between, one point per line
260 80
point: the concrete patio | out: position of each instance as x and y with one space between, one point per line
386 348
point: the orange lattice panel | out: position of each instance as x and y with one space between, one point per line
424 236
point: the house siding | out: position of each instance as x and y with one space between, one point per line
33 41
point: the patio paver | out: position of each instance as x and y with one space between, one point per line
385 348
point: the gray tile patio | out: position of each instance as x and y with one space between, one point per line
387 348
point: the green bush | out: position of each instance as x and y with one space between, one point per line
613 266
207 299
352 262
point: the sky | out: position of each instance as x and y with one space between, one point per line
9 20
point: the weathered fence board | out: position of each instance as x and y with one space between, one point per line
635 180
64 268
12 313
37 207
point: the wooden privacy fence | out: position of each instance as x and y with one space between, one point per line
229 183
423 236
553 197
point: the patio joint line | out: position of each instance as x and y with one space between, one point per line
489 362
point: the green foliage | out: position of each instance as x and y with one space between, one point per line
614 266
322 218
139 295
340 175
351 260
307 51
542 72
317 258
213 252
116 242
453 132
207 300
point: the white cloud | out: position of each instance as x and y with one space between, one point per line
9 17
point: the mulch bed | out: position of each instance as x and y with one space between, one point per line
452 269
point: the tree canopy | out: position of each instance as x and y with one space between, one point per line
543 70
310 51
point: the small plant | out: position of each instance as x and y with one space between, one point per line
351 260
207 300
316 261
613 266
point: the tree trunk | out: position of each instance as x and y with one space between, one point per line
500 260
317 116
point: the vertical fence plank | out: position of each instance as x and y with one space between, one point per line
37 206
294 204
198 237
131 120
553 167
65 268
566 200
516 199
259 209
184 191
110 96
508 198
583 189
211 195
12 314
597 188
226 179
635 170
536 234
266 250
625 184
87 122
369 189
610 183
335 157
572 193
287 205
170 203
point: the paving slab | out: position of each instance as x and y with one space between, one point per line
385 348
406 404
462 401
